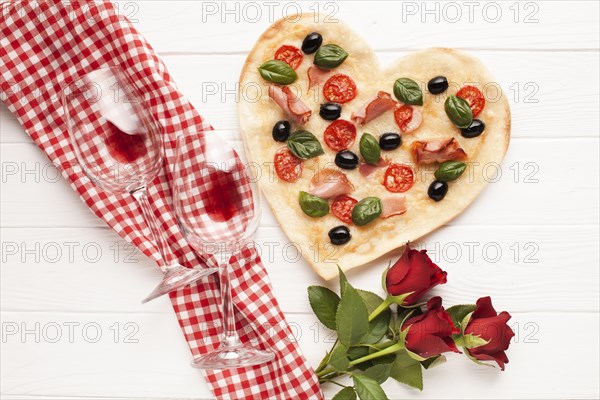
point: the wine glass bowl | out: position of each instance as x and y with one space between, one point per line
212 193
218 207
115 138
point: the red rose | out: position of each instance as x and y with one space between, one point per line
429 333
491 326
413 272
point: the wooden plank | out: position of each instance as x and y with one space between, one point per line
157 365
93 269
534 188
538 99
221 27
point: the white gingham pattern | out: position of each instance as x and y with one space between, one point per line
47 44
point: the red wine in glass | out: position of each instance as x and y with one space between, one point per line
125 148
222 199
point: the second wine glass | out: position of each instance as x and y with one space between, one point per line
218 207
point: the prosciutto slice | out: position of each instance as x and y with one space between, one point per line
316 76
330 183
367 169
429 152
391 206
291 104
373 108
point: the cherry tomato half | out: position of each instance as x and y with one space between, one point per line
474 97
287 166
340 135
339 88
289 54
342 208
398 178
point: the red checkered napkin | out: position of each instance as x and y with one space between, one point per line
47 44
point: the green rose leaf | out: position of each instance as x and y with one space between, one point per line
354 353
369 149
368 388
277 71
313 206
338 359
352 318
346 393
459 312
379 372
408 91
367 210
458 111
378 327
407 370
343 281
433 361
450 171
304 145
324 303
330 56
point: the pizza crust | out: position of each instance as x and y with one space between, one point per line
257 115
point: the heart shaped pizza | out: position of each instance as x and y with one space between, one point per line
357 160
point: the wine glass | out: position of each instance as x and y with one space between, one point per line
218 208
118 144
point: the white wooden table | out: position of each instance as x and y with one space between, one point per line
72 323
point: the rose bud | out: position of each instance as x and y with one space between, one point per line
430 333
413 272
492 327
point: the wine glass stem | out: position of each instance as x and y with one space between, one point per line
159 238
230 337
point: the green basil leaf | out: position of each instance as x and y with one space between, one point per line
313 206
346 393
368 388
330 56
324 303
458 111
277 71
369 148
352 318
366 211
450 171
304 145
408 91
406 370
338 360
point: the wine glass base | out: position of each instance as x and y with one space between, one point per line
224 358
177 277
